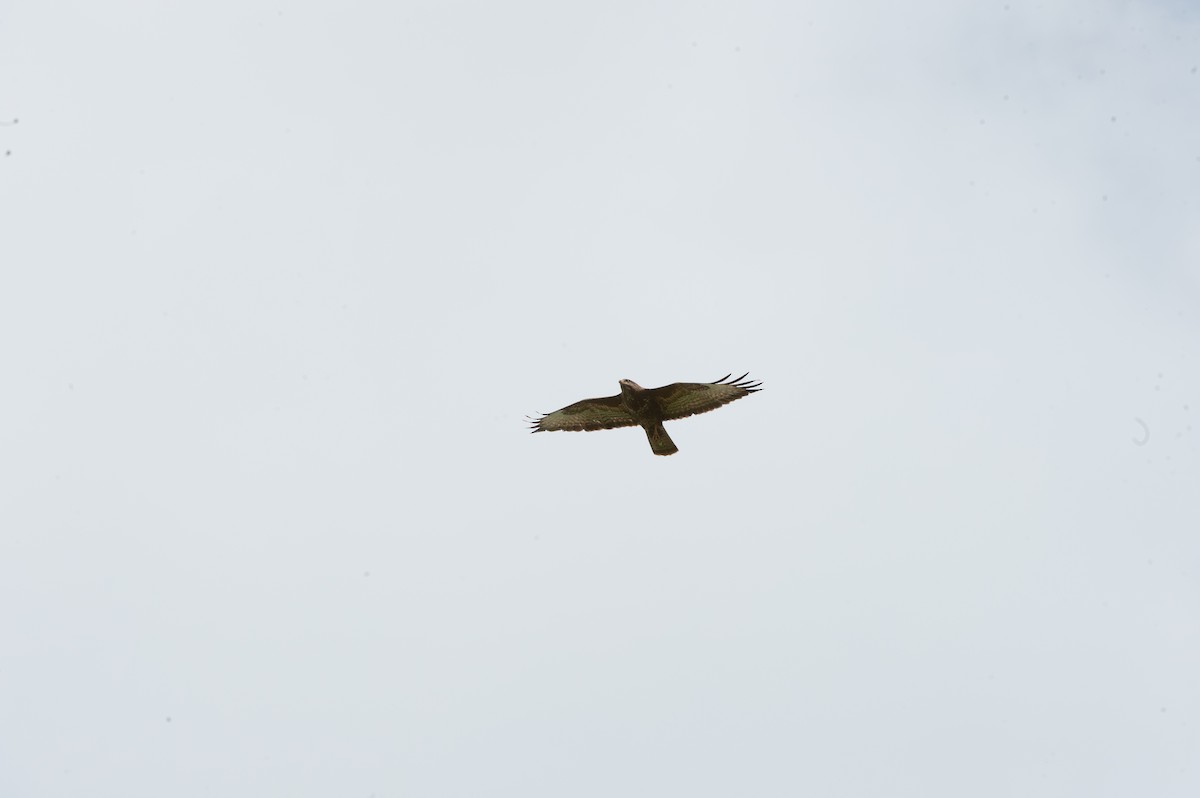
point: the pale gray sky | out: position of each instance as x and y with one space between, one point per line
280 282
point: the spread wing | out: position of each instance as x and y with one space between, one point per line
588 415
683 399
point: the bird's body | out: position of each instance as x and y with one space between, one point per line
648 413
647 408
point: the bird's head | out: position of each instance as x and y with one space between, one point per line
630 386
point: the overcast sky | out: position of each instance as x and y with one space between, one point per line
279 281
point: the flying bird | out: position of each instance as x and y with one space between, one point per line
647 408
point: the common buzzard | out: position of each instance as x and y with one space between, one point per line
648 408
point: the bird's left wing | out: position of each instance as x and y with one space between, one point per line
589 415
683 399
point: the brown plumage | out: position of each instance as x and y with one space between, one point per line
648 408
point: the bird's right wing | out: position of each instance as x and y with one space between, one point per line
683 399
591 414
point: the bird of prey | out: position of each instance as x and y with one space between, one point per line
647 408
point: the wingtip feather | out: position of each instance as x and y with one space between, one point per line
749 386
